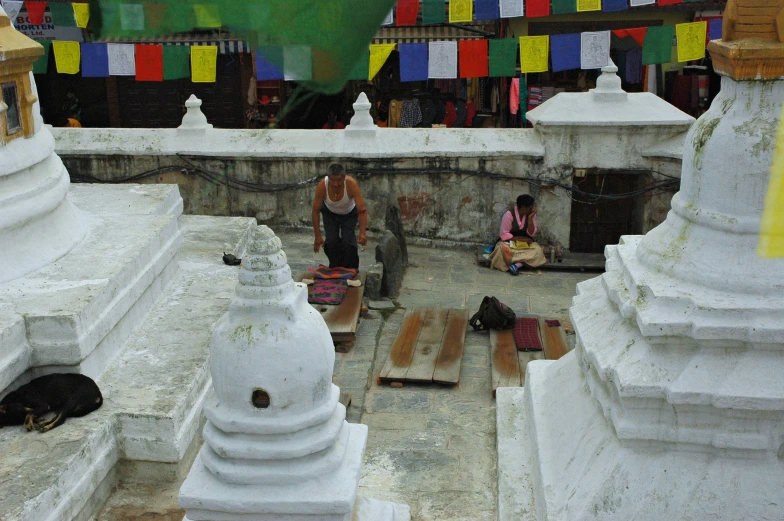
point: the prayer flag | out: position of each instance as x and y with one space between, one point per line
564 6
95 60
207 16
669 2
121 59
81 14
149 62
413 61
62 14
565 51
485 9
691 40
204 63
176 62
771 242
12 8
154 15
442 60
461 11
361 69
503 57
534 53
638 33
433 12
390 19
378 57
657 47
132 17
66 56
407 11
41 65
594 49
589 5
511 8
473 58
537 8
714 29
269 63
35 12
637 3
297 63
609 6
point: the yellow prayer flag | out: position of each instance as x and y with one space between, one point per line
771 243
378 57
81 14
589 5
207 16
204 63
461 11
67 56
534 53
691 40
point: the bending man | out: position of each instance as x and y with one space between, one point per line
339 201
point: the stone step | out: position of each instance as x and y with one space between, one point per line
152 390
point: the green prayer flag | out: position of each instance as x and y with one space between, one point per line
176 62
503 57
433 12
564 6
62 14
362 68
41 65
657 46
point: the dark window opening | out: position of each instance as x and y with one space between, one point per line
13 120
260 399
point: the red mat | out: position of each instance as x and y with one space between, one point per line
526 334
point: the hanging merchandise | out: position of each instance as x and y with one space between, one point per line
95 60
149 62
534 53
406 12
433 12
81 14
657 47
35 12
121 59
691 40
473 58
413 62
771 241
67 57
511 8
361 69
461 11
378 57
594 49
204 63
176 62
565 51
537 8
442 60
486 10
41 65
503 57
523 100
514 96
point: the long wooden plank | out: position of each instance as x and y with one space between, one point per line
505 367
450 354
429 342
555 345
402 352
344 318
523 357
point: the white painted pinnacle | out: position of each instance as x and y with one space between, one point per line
362 120
194 118
608 85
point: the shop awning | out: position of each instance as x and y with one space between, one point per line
430 33
225 43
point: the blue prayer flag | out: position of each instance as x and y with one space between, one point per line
486 10
565 51
269 63
714 29
413 61
609 6
95 60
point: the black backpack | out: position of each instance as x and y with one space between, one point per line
493 314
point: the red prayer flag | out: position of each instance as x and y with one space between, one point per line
534 8
35 12
638 33
473 58
669 2
149 62
407 11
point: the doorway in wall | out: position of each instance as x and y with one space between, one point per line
599 221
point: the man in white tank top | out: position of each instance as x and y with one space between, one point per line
339 200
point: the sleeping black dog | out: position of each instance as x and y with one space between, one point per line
63 394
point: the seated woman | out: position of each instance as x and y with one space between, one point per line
516 245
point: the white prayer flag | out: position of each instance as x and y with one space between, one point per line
390 17
442 60
12 8
637 3
512 8
122 59
594 50
297 63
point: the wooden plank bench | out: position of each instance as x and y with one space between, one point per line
428 347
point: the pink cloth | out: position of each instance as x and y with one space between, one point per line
514 96
506 225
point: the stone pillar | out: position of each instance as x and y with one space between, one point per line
276 443
671 406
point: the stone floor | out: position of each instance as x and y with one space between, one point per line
429 446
